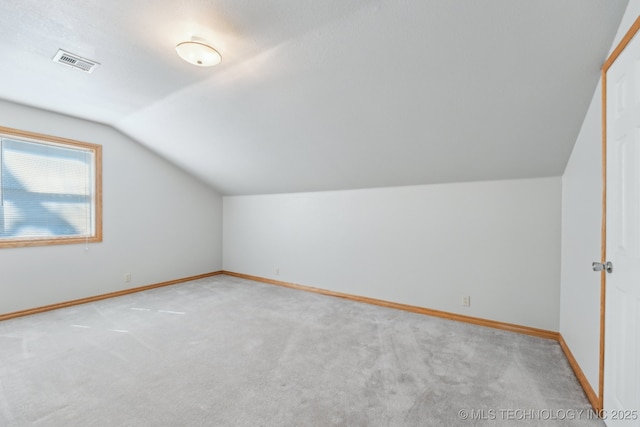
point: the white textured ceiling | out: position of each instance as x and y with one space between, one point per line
323 94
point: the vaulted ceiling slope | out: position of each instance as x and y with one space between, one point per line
323 95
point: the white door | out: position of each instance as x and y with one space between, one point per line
622 322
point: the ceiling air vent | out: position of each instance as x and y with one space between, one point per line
75 61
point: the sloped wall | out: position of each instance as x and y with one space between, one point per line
581 228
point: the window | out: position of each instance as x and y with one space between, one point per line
50 190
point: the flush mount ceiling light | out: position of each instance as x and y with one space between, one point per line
198 52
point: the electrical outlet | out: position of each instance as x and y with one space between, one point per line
466 301
127 277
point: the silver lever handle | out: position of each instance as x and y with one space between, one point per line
599 266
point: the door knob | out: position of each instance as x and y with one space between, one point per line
599 266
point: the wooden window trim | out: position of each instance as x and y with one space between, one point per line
97 150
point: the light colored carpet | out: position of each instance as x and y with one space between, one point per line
224 351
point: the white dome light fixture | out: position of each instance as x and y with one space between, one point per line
198 52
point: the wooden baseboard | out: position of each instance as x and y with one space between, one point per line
102 296
582 379
541 333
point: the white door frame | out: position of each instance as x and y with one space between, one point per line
635 28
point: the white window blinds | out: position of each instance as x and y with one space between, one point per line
46 190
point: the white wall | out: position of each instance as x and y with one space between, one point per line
498 242
581 227
159 223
